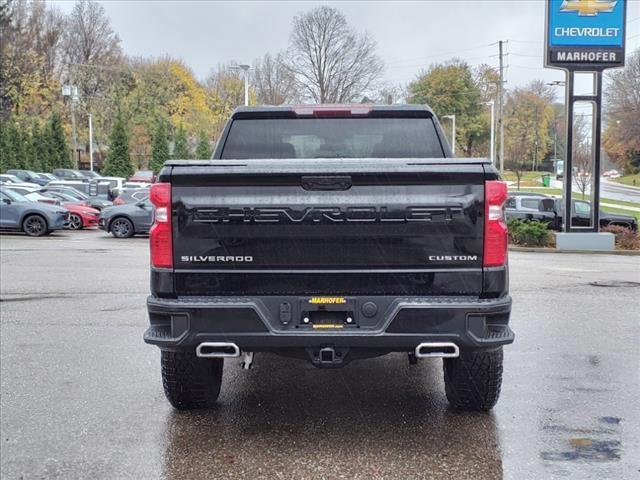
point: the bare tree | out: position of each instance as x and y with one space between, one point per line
273 82
582 154
331 62
46 30
227 84
91 49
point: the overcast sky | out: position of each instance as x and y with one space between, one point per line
410 35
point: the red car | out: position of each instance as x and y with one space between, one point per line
146 176
81 216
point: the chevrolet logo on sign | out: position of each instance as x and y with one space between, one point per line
588 8
587 34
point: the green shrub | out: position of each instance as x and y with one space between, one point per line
529 233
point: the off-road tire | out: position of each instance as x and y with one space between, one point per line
191 382
473 380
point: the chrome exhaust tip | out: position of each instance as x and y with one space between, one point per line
437 349
217 350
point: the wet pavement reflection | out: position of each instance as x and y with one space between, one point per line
81 395
379 418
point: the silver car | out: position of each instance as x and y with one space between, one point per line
33 218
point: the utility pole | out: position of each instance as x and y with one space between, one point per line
71 91
453 131
501 104
245 69
535 157
74 96
90 144
492 104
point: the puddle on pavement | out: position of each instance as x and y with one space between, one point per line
591 448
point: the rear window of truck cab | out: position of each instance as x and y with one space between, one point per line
308 138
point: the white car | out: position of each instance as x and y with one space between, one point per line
7 179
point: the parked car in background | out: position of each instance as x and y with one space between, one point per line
96 195
115 185
32 194
62 197
69 174
136 185
131 195
550 210
93 202
49 177
35 219
90 174
81 216
143 176
7 179
124 221
28 176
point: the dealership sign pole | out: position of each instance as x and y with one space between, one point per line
584 36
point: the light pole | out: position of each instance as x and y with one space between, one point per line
556 83
453 131
245 69
71 91
492 104
90 144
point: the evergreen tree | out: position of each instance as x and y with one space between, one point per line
7 152
118 161
181 145
58 149
23 148
48 163
203 150
39 150
159 147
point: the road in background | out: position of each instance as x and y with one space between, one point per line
619 191
81 395
608 189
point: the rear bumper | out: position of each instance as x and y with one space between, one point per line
266 324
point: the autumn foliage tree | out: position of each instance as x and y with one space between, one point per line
528 115
450 89
621 138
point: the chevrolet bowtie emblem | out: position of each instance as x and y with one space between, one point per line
588 8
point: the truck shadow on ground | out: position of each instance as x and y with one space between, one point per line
373 418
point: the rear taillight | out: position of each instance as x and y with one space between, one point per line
495 227
160 239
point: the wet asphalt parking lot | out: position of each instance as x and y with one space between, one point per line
81 395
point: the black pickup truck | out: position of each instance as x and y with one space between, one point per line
330 233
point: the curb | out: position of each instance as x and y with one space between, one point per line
630 253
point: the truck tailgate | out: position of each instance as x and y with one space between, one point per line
372 226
